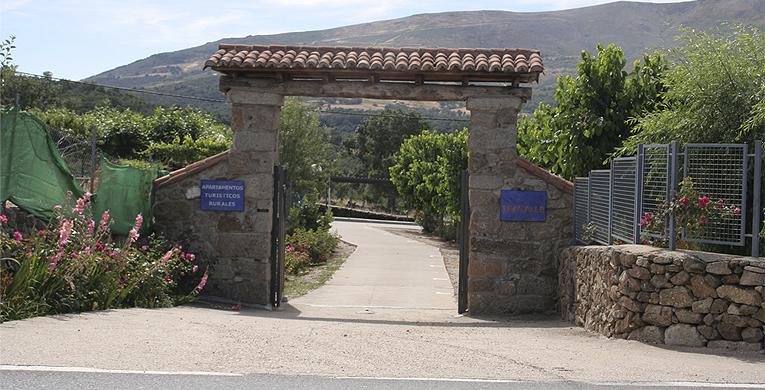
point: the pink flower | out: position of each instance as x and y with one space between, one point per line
56 260
703 202
737 210
684 201
17 236
63 234
137 226
3 219
167 256
144 247
195 269
91 227
720 203
167 277
104 221
57 207
703 221
647 217
74 255
201 284
642 222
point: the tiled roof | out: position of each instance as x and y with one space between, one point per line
431 64
557 181
189 170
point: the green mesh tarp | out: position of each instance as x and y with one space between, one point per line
125 191
35 177
32 174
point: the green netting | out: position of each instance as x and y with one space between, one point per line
35 178
32 174
125 191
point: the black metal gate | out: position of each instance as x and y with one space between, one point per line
462 293
277 236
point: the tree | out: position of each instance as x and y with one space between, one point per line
428 170
379 137
175 136
303 148
715 91
593 112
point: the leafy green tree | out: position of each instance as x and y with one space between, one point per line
303 148
715 90
428 171
120 133
174 122
181 153
592 114
379 138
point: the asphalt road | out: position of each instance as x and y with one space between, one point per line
382 324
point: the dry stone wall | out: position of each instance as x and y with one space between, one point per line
680 298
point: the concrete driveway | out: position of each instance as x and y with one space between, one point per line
388 313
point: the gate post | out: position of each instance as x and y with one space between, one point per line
510 269
246 251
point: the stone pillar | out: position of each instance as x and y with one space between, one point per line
244 243
501 252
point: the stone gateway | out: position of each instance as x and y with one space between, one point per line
512 266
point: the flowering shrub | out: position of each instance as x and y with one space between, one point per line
429 222
692 211
308 216
307 247
73 265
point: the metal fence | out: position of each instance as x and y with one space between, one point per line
78 155
618 204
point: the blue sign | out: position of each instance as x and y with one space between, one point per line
523 206
223 195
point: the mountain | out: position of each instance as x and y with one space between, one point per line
561 36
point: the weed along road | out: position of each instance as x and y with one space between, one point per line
387 320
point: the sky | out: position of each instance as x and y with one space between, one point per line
76 39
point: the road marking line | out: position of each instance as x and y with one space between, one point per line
6 367
629 384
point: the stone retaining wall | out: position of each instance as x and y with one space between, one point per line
19 220
681 298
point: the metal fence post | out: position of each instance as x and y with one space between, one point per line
639 161
673 171
462 286
611 205
589 199
756 206
574 220
93 161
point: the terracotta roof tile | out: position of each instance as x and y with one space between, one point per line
523 64
557 181
189 170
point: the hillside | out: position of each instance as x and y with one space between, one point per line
560 36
